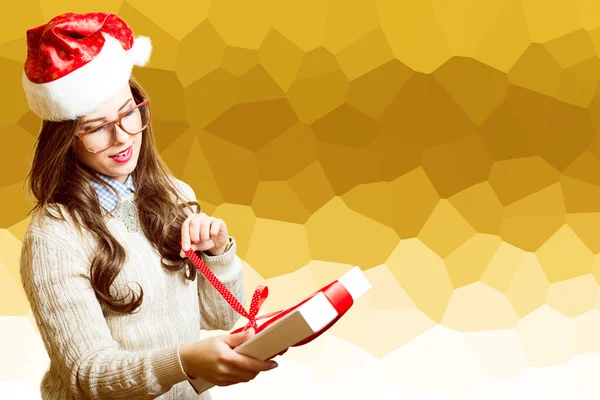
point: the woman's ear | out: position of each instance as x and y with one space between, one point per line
76 148
74 144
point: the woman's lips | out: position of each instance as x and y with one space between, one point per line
124 158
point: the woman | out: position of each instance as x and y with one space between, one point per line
118 305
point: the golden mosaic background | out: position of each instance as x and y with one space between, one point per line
450 149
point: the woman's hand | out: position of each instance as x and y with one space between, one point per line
204 233
215 361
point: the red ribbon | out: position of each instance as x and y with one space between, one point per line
335 292
260 294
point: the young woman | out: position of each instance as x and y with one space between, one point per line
118 304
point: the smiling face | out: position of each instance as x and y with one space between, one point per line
107 162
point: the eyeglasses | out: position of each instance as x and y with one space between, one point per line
101 137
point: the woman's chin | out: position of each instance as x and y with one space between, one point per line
123 170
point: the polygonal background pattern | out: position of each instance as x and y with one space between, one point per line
449 149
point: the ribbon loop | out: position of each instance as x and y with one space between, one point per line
258 298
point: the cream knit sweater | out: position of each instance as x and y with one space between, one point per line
97 353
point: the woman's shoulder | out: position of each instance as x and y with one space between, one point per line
54 221
183 188
55 230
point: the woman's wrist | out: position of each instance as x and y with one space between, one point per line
220 250
184 356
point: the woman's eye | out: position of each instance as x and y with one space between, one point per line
97 130
129 113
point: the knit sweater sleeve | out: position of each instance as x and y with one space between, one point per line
75 333
215 312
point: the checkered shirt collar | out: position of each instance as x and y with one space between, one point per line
108 198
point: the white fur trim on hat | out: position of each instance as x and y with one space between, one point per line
85 89
140 51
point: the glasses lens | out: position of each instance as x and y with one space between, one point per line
98 139
135 121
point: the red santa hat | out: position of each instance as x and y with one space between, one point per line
76 62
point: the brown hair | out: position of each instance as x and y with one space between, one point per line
57 178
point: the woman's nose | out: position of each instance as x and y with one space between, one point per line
120 134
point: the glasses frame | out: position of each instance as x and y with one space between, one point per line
114 130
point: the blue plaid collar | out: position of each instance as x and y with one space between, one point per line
107 197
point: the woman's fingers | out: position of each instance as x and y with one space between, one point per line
205 228
239 375
196 227
185 233
250 364
215 227
242 369
199 232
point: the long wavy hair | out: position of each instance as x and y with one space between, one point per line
57 178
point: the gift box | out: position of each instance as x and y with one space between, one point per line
295 326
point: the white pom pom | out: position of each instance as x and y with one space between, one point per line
140 51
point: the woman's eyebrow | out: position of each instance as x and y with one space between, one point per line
104 118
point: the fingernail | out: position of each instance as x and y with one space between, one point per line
273 365
186 246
